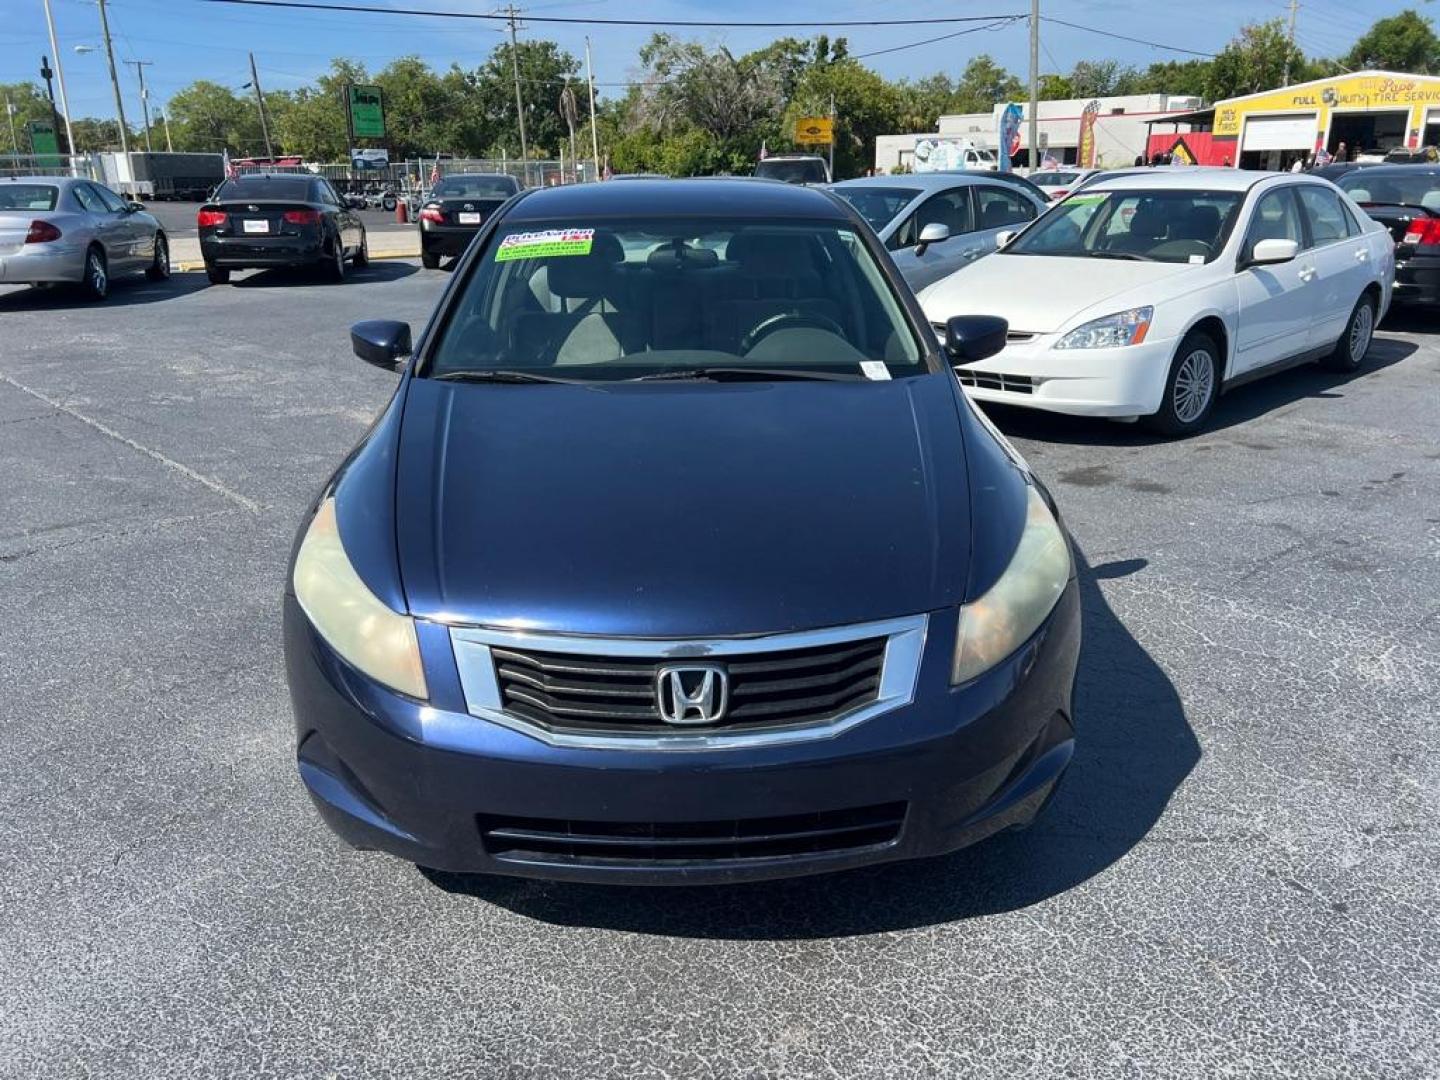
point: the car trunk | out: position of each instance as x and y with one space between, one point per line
1401 220
259 219
14 226
472 210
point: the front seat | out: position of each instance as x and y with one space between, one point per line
591 328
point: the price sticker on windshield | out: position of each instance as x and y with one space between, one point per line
544 244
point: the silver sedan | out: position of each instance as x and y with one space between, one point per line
60 229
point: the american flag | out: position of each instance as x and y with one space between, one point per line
764 151
230 171
435 173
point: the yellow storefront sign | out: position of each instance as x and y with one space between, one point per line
814 130
1371 92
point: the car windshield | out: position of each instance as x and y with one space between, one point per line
877 205
1053 179
1409 187
1147 226
793 172
479 187
631 298
28 196
289 188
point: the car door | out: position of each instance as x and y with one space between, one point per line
338 213
949 208
998 209
1341 258
131 227
1275 304
109 226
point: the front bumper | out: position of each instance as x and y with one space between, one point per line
446 239
52 262
245 252
1121 382
953 767
1417 280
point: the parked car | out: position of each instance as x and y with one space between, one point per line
1413 155
1336 169
456 208
1003 176
692 565
794 168
1147 295
59 230
1405 200
935 223
1057 183
279 219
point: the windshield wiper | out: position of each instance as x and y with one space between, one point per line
482 375
1132 256
744 374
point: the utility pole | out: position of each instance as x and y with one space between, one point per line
832 135
60 74
260 100
1294 8
140 66
14 142
519 102
165 119
114 78
594 135
1034 132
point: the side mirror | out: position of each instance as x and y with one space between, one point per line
382 342
1004 236
974 337
1270 252
933 233
134 207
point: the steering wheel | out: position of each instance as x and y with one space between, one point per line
788 320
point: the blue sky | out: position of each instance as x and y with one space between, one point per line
188 40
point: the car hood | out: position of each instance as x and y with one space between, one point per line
1040 294
681 509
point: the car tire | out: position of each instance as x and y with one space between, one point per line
1354 343
1191 388
95 282
334 265
362 257
159 268
388 203
429 260
217 276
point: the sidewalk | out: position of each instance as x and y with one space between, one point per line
185 250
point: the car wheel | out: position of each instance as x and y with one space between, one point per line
1191 388
159 270
1354 343
217 276
334 265
429 260
362 257
95 284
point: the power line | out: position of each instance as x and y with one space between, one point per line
998 24
1043 18
307 5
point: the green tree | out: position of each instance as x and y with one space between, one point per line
29 103
1055 88
1404 42
1188 77
92 134
865 106
209 117
1255 60
313 125
544 71
983 85
1101 78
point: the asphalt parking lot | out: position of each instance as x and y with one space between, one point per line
1239 877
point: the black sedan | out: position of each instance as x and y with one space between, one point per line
457 207
279 219
1406 200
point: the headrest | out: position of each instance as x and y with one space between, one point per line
1430 200
1359 194
1201 223
772 254
1148 221
585 277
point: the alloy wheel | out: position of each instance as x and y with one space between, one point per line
95 274
1360 332
1194 386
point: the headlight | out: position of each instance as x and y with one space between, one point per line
356 623
994 626
1122 328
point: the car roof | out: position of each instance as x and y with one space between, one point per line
42 179
1183 178
476 176
791 157
699 197
1418 169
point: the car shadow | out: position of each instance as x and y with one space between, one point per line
1238 406
127 290
1134 749
1411 319
289 277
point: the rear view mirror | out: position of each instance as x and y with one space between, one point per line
933 233
1004 236
1269 252
974 337
382 342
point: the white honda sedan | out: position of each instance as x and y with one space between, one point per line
1146 296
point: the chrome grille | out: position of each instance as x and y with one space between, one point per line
990 380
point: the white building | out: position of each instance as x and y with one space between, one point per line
1120 130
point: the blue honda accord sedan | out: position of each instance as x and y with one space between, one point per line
679 556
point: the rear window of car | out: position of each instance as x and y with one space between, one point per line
1046 179
290 188
28 196
1410 187
477 187
793 172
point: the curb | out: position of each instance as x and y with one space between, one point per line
375 256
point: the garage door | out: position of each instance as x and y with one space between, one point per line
1279 133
